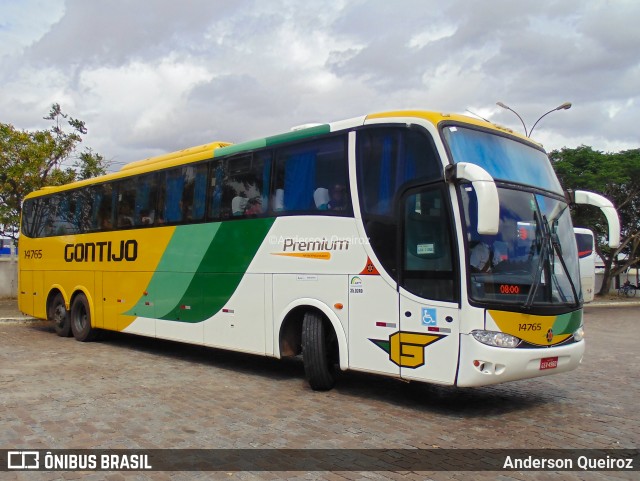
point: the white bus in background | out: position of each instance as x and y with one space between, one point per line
587 256
7 247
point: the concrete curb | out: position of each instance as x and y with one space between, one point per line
613 304
19 320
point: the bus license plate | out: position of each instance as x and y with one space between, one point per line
548 363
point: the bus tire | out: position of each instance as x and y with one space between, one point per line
318 344
57 313
80 320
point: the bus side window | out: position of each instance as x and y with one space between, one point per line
216 183
102 216
240 186
171 190
126 202
312 176
29 216
195 190
85 208
51 216
146 191
388 160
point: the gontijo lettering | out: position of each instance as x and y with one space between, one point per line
104 251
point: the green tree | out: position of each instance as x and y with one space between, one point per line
617 177
32 160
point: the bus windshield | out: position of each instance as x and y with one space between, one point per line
503 158
532 260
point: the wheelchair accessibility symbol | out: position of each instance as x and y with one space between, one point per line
429 315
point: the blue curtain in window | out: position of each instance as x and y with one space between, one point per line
216 198
405 163
266 177
409 167
142 197
385 190
95 208
199 195
173 199
300 181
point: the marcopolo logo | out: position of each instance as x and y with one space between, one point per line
105 251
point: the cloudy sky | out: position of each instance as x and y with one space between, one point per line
160 75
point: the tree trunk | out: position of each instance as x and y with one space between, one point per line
607 278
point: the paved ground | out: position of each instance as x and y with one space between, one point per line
131 392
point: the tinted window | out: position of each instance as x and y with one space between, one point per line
312 177
240 186
103 207
585 245
503 158
182 194
136 201
389 160
428 269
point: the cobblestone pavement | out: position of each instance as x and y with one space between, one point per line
132 392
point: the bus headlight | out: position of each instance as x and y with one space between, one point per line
497 339
579 334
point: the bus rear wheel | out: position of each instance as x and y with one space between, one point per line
58 314
80 318
319 352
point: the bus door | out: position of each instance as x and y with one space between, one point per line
426 346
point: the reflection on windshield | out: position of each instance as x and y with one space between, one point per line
502 157
532 260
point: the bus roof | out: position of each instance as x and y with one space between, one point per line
219 148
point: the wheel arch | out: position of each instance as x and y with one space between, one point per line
83 290
290 329
53 291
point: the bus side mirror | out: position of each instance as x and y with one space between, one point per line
486 192
607 208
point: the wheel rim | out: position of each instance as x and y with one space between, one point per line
59 315
80 318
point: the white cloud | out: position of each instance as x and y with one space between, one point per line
149 79
18 30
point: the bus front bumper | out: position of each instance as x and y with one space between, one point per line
482 365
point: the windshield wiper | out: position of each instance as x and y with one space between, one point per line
550 245
558 250
544 253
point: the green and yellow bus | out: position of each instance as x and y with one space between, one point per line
425 246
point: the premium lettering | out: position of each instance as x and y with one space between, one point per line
312 245
105 251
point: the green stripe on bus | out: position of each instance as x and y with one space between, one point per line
273 140
180 261
567 323
231 248
298 134
235 148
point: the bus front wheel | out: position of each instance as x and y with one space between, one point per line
80 318
58 314
319 352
